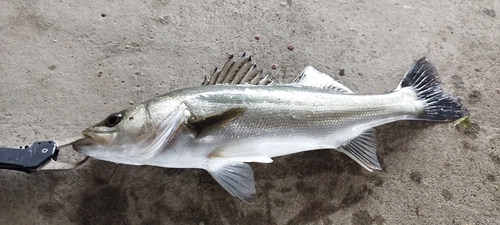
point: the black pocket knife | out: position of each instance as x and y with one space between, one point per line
40 156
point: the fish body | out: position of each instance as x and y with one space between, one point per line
277 120
239 116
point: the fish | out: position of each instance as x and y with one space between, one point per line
239 116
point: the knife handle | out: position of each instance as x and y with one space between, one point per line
29 158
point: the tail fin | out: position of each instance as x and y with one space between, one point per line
440 106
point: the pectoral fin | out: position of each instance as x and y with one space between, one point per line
216 120
362 150
236 178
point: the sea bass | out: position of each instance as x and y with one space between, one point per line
239 115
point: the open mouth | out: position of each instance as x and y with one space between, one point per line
80 144
98 138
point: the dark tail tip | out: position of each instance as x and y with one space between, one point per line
422 77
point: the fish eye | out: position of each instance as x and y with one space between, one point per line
113 119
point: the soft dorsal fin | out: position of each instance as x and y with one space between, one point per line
310 76
362 150
238 71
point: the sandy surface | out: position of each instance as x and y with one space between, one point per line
65 65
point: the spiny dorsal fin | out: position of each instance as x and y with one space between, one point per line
310 76
363 150
216 120
238 71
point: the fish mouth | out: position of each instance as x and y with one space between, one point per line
101 138
83 143
91 140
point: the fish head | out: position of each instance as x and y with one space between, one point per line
118 136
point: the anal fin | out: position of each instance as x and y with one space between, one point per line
236 178
362 149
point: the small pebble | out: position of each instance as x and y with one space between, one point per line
257 37
498 90
290 47
131 102
274 66
282 3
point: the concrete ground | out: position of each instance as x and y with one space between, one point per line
65 65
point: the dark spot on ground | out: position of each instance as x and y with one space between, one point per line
416 177
49 209
379 220
322 196
278 202
218 212
334 183
166 19
106 205
489 12
341 72
458 82
206 178
491 177
284 190
494 158
206 202
190 213
394 137
102 171
133 195
308 164
327 220
152 222
354 195
469 146
361 217
52 67
51 180
376 180
305 189
472 130
323 178
317 209
446 194
387 150
474 97
267 187
313 211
